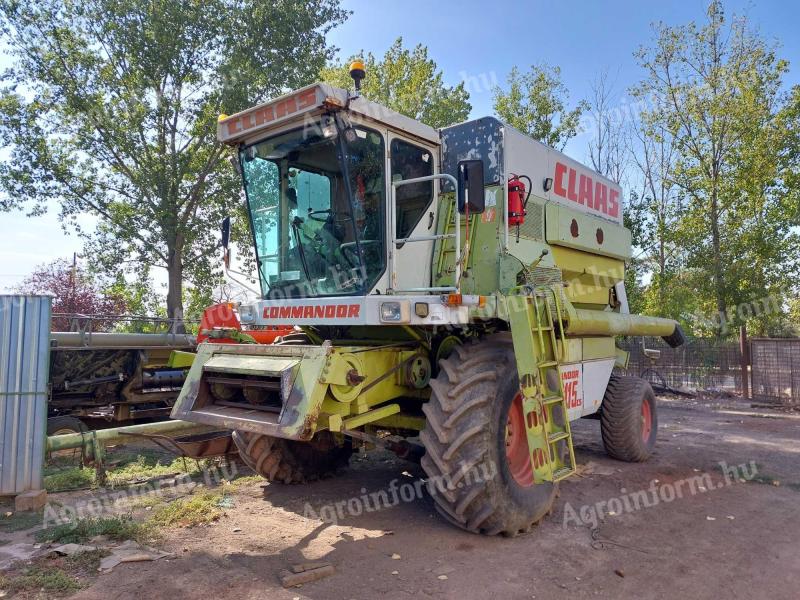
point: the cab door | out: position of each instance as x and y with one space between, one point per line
414 212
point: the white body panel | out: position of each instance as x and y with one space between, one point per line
350 310
585 385
574 185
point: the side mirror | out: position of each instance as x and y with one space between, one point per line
470 186
226 232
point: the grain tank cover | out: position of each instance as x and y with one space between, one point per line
504 149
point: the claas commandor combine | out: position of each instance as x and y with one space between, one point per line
456 295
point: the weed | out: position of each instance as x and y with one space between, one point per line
199 509
246 480
87 562
147 501
19 521
39 578
71 478
145 467
82 530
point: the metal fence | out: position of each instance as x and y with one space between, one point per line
24 364
700 364
775 367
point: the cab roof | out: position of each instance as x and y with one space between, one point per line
255 121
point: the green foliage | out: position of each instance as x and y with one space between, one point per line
198 509
719 201
536 104
110 109
146 467
38 579
20 521
82 530
409 82
70 478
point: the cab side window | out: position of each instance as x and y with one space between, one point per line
408 162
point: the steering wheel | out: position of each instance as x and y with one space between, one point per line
351 247
315 214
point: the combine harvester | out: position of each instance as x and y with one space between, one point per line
457 292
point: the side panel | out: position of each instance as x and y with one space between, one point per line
596 374
572 380
574 229
573 185
585 385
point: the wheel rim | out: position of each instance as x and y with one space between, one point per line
647 420
65 431
518 456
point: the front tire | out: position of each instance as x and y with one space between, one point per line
290 461
628 419
477 481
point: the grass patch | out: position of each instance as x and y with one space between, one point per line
40 579
87 562
199 509
52 577
82 530
20 521
150 501
62 479
246 480
146 466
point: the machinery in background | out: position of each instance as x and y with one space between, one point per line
113 377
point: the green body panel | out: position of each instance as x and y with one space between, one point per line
179 359
574 229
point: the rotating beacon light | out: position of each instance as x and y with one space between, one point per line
357 72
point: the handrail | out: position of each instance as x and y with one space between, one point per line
396 241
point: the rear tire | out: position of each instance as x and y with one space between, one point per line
65 425
628 419
289 461
465 439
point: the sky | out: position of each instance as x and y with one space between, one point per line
470 42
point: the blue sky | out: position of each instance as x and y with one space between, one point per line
467 39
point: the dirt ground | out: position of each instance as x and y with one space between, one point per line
722 538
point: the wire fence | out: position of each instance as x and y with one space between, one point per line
776 370
120 323
700 364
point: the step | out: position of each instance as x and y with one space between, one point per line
548 364
563 473
555 399
557 437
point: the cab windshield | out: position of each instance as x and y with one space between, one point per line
316 199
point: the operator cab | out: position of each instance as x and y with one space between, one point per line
318 167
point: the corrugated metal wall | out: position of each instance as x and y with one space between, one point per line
24 366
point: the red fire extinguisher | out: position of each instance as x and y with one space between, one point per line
518 196
516 201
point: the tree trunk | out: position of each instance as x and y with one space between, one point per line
719 277
175 291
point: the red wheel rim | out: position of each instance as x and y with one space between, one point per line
647 420
518 456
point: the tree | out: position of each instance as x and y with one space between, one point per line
608 147
715 92
409 82
75 291
535 103
110 110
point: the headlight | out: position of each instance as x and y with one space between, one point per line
247 313
391 312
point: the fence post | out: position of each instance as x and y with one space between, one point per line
745 356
